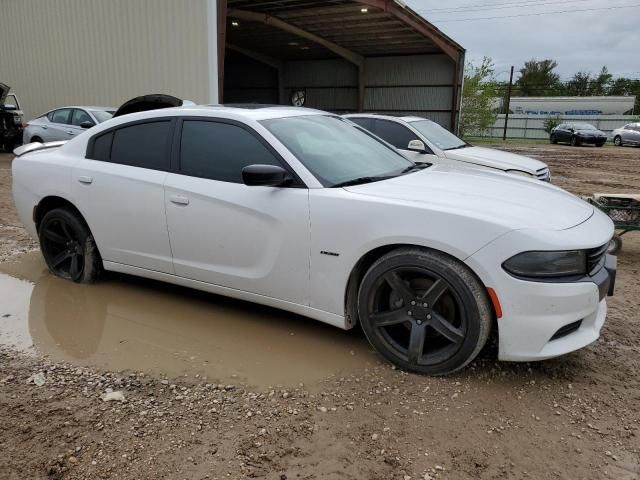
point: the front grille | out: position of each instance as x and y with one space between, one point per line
566 330
595 258
543 174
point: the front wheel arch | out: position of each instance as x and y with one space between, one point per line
363 265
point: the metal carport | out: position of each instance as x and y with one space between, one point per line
340 55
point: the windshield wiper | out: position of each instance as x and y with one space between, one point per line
359 181
415 168
458 147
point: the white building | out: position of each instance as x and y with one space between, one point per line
550 106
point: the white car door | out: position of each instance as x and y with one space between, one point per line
400 136
223 232
120 186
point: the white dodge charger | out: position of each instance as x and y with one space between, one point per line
301 210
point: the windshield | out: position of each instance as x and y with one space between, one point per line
102 115
336 151
440 137
583 126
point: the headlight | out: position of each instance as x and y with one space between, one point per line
547 264
521 173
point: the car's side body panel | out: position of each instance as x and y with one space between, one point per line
121 198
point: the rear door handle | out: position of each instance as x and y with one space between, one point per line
85 180
179 199
70 132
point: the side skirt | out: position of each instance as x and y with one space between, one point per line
320 315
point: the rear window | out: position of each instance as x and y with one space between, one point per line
102 147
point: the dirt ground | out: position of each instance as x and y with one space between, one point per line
576 417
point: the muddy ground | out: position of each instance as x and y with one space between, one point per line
299 400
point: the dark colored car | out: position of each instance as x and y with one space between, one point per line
577 133
10 120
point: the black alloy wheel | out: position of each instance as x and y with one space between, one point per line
424 311
68 247
575 141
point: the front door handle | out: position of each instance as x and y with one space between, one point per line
70 132
85 180
179 199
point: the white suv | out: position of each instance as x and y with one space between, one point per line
300 210
422 140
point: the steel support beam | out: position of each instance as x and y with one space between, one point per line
287 27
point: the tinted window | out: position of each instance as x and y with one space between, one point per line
80 116
102 147
143 145
366 123
220 151
394 133
60 116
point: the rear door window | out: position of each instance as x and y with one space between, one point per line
219 151
61 116
366 123
397 135
144 145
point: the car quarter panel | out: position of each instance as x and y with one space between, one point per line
346 225
37 175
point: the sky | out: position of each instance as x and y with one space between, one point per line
591 33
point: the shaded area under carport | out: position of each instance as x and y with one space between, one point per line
338 55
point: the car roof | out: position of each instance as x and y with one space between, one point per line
252 111
408 118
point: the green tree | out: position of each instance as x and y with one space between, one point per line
550 123
479 92
601 84
578 86
537 79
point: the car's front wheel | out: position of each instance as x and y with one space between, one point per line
617 141
68 246
575 141
553 140
424 311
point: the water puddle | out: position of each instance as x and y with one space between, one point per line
126 323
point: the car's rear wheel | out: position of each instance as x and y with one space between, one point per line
68 246
617 141
424 311
36 139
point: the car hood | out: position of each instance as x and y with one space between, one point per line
495 159
511 201
590 132
4 90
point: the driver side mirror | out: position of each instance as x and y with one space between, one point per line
86 124
265 176
417 146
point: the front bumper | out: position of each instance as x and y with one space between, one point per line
592 140
542 320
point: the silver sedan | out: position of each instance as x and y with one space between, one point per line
64 123
627 135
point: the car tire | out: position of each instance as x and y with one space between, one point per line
615 245
36 139
424 311
617 141
575 142
68 246
553 140
600 144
